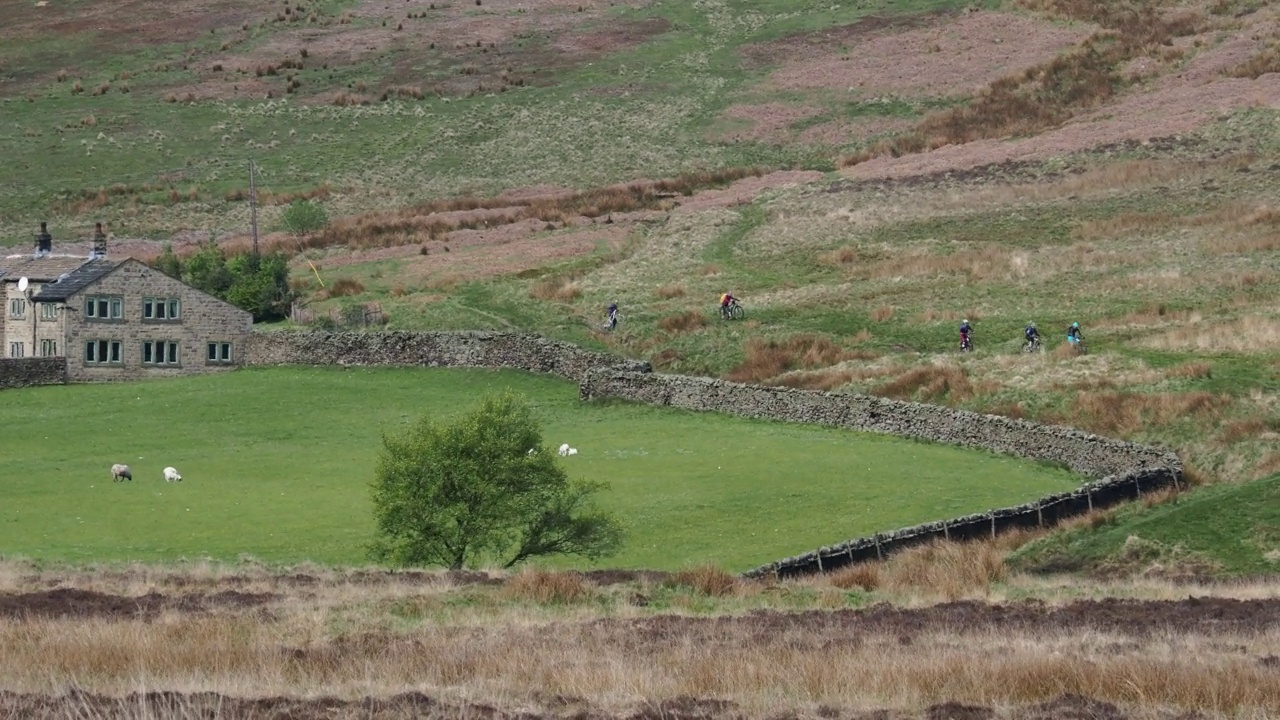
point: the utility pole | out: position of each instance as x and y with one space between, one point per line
253 209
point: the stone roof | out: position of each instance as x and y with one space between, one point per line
39 269
75 281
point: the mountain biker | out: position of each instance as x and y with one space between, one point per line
613 315
1032 334
726 301
1074 336
965 329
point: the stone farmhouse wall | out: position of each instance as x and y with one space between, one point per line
434 349
203 319
26 372
1121 470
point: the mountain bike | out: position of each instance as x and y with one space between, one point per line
733 311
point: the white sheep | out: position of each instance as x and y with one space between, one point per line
564 449
171 475
573 451
121 472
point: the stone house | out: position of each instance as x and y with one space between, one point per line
117 320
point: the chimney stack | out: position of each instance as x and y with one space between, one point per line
99 242
44 241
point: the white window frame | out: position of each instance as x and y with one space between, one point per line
162 309
17 350
219 353
161 353
103 352
17 308
48 348
48 311
95 305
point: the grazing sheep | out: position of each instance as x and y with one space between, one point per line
573 451
121 472
564 449
171 475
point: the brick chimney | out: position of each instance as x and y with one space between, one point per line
44 241
99 242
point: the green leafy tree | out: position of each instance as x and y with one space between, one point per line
469 492
168 263
260 284
304 217
207 270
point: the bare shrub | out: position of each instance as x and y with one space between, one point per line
670 291
559 288
343 287
548 587
707 580
683 322
929 383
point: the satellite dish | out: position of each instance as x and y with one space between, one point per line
22 284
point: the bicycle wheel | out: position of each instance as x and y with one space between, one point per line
737 313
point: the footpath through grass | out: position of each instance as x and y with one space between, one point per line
277 464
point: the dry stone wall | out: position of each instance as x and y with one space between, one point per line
434 349
25 372
1121 470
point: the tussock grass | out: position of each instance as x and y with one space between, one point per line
1124 413
557 288
1247 334
929 383
687 321
707 580
548 587
343 287
768 358
671 291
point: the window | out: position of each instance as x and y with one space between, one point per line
17 308
219 353
159 352
161 308
48 348
48 311
102 307
15 350
102 352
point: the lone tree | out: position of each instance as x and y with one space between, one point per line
470 492
304 217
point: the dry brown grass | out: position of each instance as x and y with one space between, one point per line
670 291
1194 370
831 378
1251 333
1124 413
1267 61
929 383
707 580
768 358
344 287
882 313
687 321
987 261
841 257
557 288
548 587
1048 94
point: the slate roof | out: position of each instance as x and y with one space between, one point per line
40 270
75 281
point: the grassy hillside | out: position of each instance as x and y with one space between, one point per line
277 465
1219 530
1003 162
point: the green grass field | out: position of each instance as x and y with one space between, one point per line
1228 529
276 465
